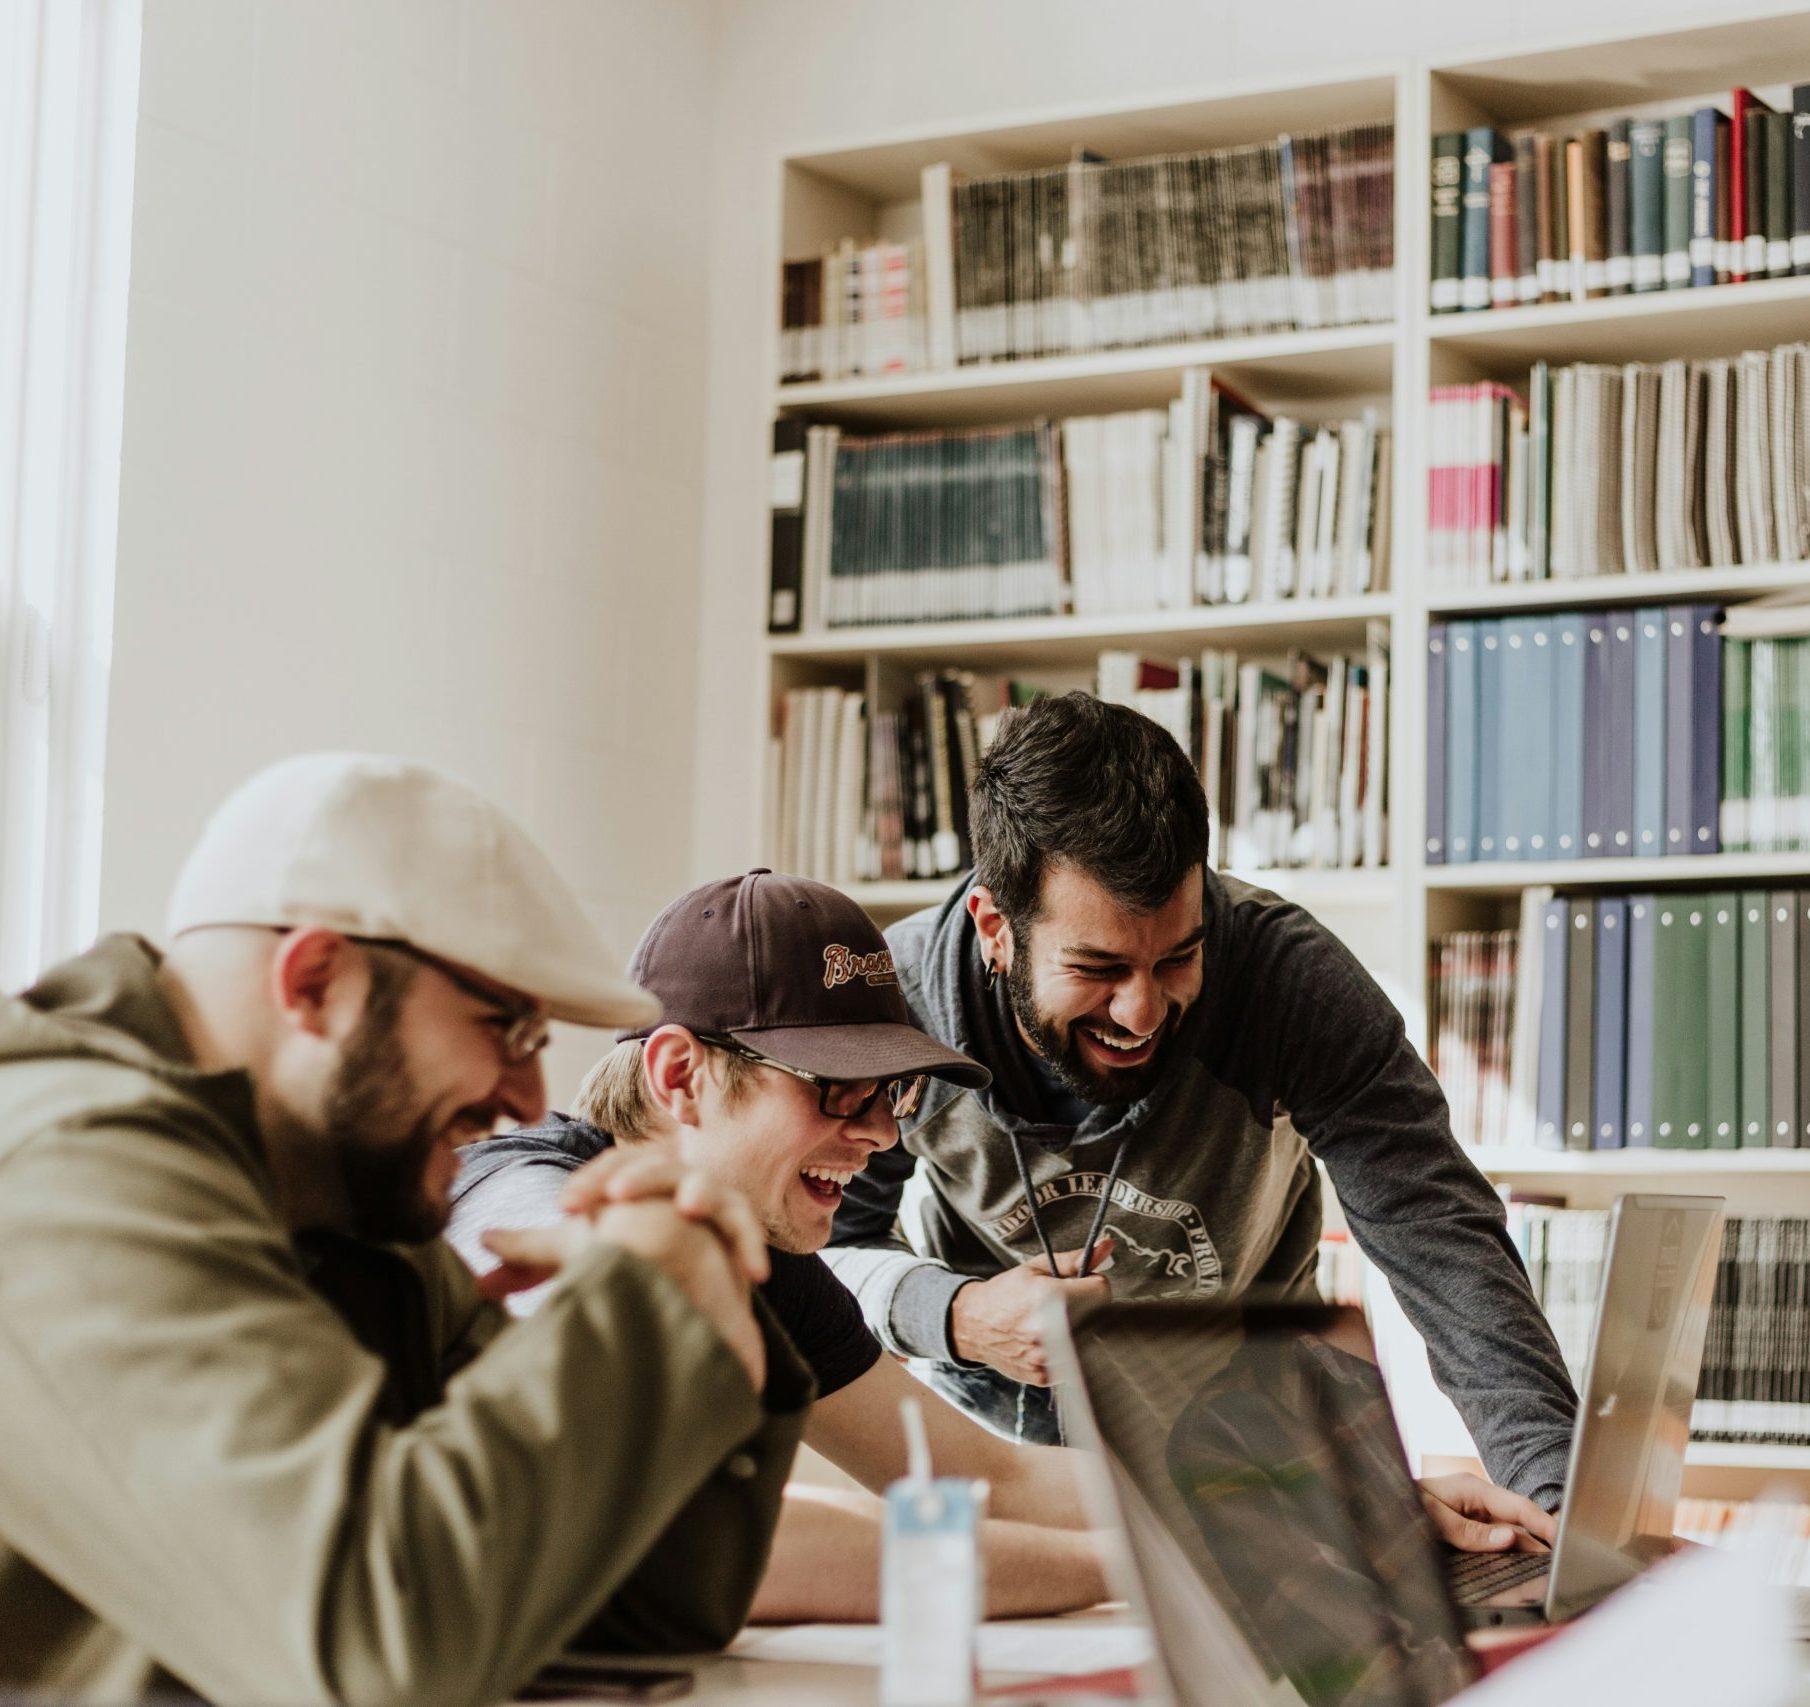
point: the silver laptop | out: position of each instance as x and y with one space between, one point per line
1276 1541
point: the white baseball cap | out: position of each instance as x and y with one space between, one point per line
381 847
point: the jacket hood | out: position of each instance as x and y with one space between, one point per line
558 1138
960 1009
102 1005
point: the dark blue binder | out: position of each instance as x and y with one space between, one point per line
1436 738
1461 743
1680 714
1524 739
1609 1067
1490 779
1549 1094
1649 732
1706 728
1567 736
1580 1024
1599 734
1637 1120
1705 122
1618 750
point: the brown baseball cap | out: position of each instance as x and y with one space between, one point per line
795 970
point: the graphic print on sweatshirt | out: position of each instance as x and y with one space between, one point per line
1162 1238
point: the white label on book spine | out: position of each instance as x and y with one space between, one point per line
1620 271
1703 251
1647 275
1800 249
1530 288
1778 256
1756 254
1678 267
1444 295
1502 292
1544 271
1475 293
786 491
1596 275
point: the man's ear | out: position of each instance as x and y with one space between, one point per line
990 925
318 980
676 1066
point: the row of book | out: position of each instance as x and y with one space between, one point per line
1631 469
1755 1385
1766 729
853 311
1575 735
1676 1020
1293 761
1209 501
1724 1523
1641 204
1106 254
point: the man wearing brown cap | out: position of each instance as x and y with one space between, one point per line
786 1063
260 1438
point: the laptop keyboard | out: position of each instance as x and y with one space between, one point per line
1476 1576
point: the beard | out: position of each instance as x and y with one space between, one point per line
374 1134
1056 1042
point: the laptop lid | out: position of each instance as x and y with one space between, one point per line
1278 1542
1634 1414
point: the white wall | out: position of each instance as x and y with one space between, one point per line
414 392
822 72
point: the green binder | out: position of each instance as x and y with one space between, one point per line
1681 1022
1723 915
1756 1002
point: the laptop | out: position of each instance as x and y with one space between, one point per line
1276 1542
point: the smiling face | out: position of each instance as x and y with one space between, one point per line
1098 989
421 1074
789 1159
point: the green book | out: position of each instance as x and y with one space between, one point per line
1735 826
1756 1005
1675 165
1681 1023
1724 1067
1646 194
1778 193
1448 184
1782 1019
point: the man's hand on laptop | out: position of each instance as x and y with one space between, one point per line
1480 1517
996 1321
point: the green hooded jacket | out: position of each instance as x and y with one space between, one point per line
294 1471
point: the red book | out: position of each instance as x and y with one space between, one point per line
1742 102
1504 262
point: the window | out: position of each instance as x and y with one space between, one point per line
68 121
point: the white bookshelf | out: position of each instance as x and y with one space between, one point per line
867 188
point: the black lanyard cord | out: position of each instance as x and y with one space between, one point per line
1099 1221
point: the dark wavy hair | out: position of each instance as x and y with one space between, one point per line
1099 786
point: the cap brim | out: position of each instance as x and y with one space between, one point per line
874 1051
620 1003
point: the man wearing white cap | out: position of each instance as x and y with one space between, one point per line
260 1438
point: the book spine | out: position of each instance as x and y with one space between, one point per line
1778 193
1599 755
1618 772
786 501
1608 1096
1618 256
1436 743
1638 1096
1782 1019
1722 1123
1739 164
1551 1078
1448 190
1802 898
1753 246
1568 736
1800 178
1580 1025
1461 743
1646 171
1703 195
1706 737
1490 780
1756 998
1676 161
1681 678
1527 218
1504 263
1481 147
1649 733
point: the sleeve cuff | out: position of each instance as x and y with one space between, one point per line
919 1317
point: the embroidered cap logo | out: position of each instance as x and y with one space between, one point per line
841 965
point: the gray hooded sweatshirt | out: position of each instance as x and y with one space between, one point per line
1292 1052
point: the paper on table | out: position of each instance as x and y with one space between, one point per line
1705 1627
1040 1648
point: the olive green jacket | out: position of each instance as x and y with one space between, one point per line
287 1471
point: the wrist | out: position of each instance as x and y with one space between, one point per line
956 1324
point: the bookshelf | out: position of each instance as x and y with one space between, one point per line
868 189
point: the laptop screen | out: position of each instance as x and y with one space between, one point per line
1259 1441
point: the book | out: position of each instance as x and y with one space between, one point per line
1609 1045
1618 208
1483 148
1580 1036
1755 1031
1638 1046
1447 185
1676 173
1782 1020
1709 130
1800 178
1646 201
786 499
1504 230
1722 1099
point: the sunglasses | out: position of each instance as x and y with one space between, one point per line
840 1099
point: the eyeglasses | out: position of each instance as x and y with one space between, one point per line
522 1027
840 1099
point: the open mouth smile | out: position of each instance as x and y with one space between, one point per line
1119 1049
825 1184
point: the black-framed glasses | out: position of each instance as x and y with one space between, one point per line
840 1099
522 1027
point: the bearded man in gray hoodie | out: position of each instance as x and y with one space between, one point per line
1171 1049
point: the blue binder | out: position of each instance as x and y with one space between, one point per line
1568 736
1609 1065
1649 732
1436 739
1490 778
1461 743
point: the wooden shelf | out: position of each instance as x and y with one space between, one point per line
1698 871
1511 1163
1719 320
1738 1455
1324 366
1035 640
1677 587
